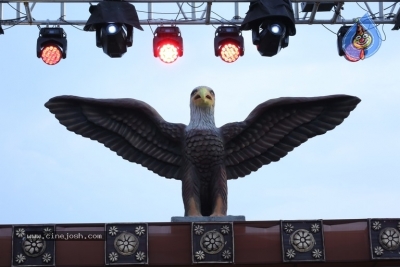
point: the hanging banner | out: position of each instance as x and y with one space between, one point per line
362 40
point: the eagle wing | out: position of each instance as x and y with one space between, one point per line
129 127
277 126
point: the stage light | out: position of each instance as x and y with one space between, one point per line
228 43
51 45
167 43
113 22
340 34
1 30
271 23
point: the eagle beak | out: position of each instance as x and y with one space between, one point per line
203 97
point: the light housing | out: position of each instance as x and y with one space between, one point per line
228 43
340 35
51 45
167 43
271 23
119 15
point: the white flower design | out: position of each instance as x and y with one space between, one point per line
126 243
47 231
225 229
200 255
226 254
290 253
316 253
315 228
113 230
198 229
113 256
378 251
20 232
34 246
140 230
389 238
46 258
140 256
20 258
212 242
288 228
302 240
376 225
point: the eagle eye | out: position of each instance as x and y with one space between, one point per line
212 92
193 92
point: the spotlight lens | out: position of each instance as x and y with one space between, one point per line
229 52
168 53
276 29
51 54
111 29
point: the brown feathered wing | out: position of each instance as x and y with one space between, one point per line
277 126
131 128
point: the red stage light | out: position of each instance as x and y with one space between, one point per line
168 52
51 54
229 52
167 43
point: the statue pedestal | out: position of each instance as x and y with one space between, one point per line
229 218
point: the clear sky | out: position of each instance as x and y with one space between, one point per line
51 175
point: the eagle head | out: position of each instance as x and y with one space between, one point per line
202 102
203 97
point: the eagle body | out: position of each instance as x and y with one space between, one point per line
201 155
204 151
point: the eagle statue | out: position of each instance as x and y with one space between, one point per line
201 155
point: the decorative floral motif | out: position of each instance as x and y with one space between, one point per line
290 253
126 243
140 230
47 231
212 242
225 229
33 246
113 231
398 225
46 257
20 232
288 228
199 255
316 253
113 256
376 225
315 228
226 254
378 251
302 240
20 258
198 229
389 238
140 256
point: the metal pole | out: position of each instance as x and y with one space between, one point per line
62 10
18 10
193 11
208 13
149 11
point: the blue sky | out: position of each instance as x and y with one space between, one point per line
51 175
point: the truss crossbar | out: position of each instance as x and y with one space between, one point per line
201 14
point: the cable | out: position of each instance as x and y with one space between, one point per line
13 25
362 7
195 6
329 29
16 9
73 25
